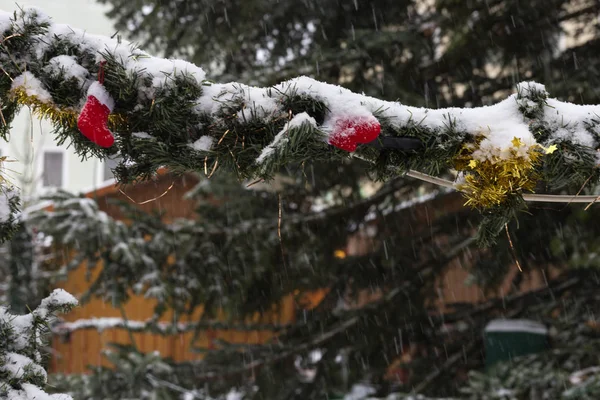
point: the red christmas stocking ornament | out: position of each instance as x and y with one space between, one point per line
93 120
348 133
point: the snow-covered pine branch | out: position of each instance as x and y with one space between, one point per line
162 328
166 113
22 338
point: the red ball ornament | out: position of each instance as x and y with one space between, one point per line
93 120
348 133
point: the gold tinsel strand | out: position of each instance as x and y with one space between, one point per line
62 116
490 182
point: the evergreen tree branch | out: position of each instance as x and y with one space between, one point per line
281 355
22 340
162 328
168 114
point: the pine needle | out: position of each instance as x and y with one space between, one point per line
512 248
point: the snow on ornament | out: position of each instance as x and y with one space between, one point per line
93 120
347 133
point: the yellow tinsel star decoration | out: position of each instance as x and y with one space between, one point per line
490 182
551 149
516 142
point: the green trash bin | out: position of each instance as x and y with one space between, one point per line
505 339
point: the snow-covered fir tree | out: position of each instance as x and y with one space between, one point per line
256 246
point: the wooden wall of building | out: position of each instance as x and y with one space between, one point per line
74 353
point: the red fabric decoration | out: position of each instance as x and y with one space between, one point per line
93 120
348 133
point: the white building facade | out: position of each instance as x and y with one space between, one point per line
34 161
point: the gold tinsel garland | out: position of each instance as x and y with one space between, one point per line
490 182
64 117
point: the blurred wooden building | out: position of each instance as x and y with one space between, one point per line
72 353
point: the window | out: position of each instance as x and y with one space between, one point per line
52 175
109 165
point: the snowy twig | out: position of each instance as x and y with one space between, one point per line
162 328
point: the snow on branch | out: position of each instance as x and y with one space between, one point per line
9 210
23 337
162 328
500 152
